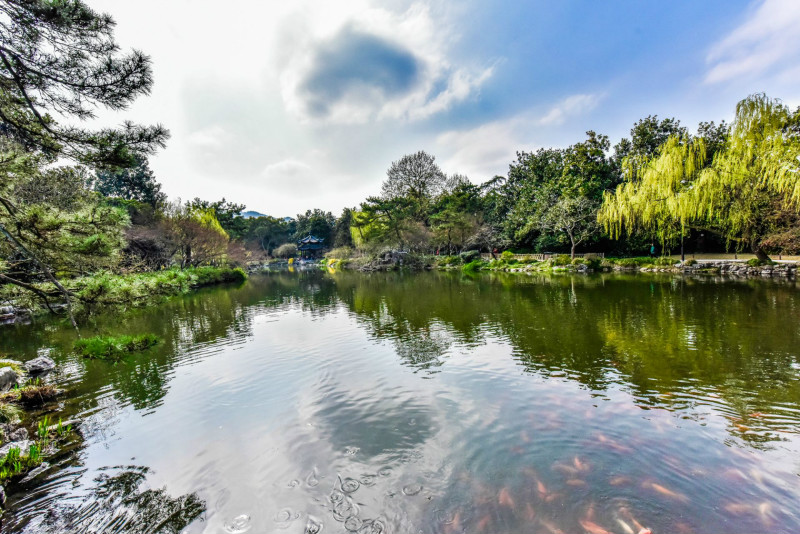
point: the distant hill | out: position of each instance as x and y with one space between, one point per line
252 214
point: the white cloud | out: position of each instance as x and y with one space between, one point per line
482 152
767 43
569 107
437 84
211 137
488 149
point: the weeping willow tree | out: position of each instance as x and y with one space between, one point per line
753 177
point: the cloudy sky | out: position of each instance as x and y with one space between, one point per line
290 105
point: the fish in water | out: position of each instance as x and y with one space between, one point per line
483 523
626 528
530 513
666 491
566 469
580 465
619 480
576 482
541 488
629 516
504 499
593 528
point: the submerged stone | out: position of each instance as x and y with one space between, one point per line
8 378
40 365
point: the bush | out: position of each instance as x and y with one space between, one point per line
448 260
287 250
755 262
470 255
114 348
340 253
507 255
690 262
579 261
471 267
562 259
666 261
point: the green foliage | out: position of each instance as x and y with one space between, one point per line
114 348
60 57
9 413
690 262
134 183
755 262
631 262
666 262
287 250
506 255
562 259
449 260
471 267
16 463
470 255
340 253
736 195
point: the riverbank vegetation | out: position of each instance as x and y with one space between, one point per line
114 348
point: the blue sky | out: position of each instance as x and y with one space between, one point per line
285 106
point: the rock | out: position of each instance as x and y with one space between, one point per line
19 434
2 497
23 446
40 365
8 378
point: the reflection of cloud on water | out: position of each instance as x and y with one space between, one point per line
422 350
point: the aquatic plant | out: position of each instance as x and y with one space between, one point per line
35 394
15 463
114 348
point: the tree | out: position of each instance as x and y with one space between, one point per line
61 56
51 227
342 236
416 177
384 220
317 223
269 232
228 214
133 183
754 176
575 216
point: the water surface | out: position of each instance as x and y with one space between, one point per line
432 403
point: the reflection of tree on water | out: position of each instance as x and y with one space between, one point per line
118 504
672 340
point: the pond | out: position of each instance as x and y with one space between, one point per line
432 403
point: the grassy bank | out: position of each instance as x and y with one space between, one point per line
92 294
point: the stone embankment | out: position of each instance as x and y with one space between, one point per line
731 267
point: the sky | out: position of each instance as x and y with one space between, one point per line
288 106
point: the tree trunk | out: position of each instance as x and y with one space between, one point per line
759 252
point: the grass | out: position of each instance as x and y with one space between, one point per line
112 348
16 463
9 413
105 290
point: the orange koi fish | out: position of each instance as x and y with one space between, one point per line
504 499
619 480
579 465
575 482
593 528
530 513
483 523
667 492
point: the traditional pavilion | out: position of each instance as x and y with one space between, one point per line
310 246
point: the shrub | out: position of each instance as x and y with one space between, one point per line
470 255
562 259
755 262
471 267
579 261
690 262
507 255
340 253
449 260
287 250
666 261
114 348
